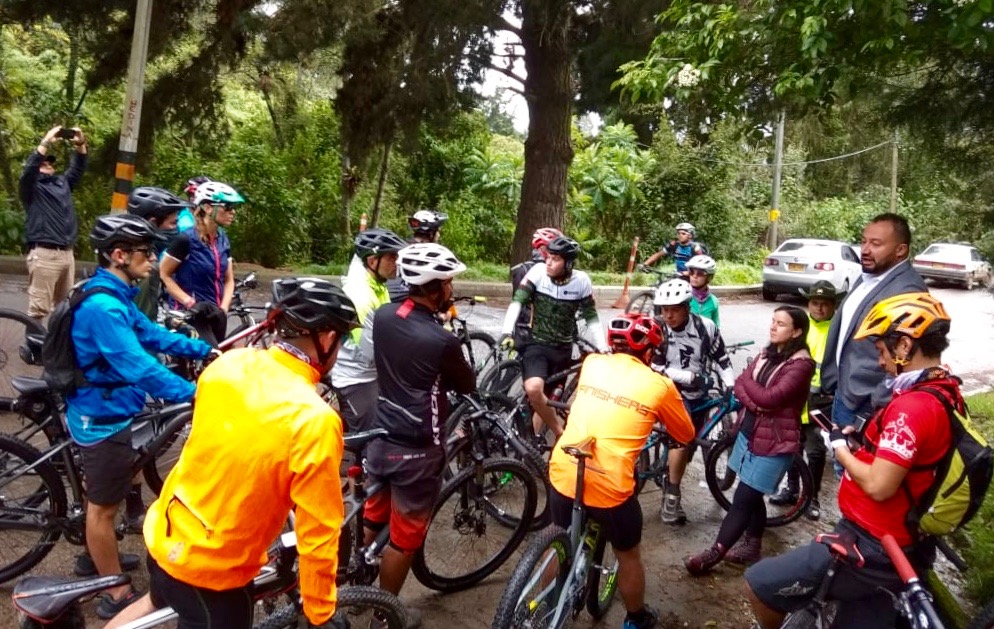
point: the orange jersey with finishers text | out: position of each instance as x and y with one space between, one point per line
618 400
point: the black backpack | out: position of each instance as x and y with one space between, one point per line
62 371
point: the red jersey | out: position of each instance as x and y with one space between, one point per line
912 431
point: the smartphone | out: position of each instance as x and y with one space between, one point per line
820 419
67 134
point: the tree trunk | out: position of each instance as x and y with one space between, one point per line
548 57
380 185
348 191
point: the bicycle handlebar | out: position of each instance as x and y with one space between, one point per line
898 558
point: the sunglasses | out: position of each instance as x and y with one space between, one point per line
148 252
227 207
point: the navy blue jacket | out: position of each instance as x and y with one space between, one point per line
48 201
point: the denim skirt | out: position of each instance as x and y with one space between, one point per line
762 473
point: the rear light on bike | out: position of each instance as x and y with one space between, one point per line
771 262
825 266
355 471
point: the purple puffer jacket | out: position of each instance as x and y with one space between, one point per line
777 405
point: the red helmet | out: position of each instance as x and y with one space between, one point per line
544 235
634 332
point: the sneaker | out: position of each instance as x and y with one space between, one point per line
783 497
131 525
814 510
672 511
650 622
86 568
108 607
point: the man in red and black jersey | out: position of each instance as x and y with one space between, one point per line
417 362
883 478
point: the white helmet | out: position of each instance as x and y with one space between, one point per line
672 293
686 227
216 192
702 263
423 262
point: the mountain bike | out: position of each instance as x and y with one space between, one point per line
484 424
480 518
561 572
479 348
54 603
913 603
34 509
642 302
21 338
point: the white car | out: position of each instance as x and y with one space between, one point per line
800 262
948 262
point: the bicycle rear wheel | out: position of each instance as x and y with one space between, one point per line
536 585
481 351
14 328
357 604
602 579
481 517
722 483
32 500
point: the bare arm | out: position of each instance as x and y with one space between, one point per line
167 268
229 286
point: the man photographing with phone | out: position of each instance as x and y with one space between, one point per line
51 226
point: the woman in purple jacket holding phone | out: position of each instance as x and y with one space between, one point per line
773 390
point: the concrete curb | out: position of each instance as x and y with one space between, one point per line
15 265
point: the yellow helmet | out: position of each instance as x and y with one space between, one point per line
911 314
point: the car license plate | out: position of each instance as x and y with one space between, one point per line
796 268
937 265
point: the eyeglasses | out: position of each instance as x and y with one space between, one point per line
148 252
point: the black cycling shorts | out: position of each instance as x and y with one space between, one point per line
542 361
108 468
788 582
198 607
621 524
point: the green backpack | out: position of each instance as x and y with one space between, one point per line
962 475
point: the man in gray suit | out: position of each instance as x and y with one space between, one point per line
850 370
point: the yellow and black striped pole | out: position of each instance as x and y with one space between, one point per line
127 148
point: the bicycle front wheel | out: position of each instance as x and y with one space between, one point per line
641 303
163 461
535 588
32 501
503 378
602 579
481 351
481 517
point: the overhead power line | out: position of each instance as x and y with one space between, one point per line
811 161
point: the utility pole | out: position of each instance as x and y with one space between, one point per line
777 172
893 174
127 147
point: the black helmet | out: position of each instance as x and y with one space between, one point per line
565 247
376 242
122 229
311 304
154 204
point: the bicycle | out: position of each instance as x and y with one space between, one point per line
34 508
561 571
54 603
913 602
461 546
642 302
479 348
21 338
484 424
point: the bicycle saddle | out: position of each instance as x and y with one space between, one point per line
47 598
356 441
842 544
581 450
29 386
